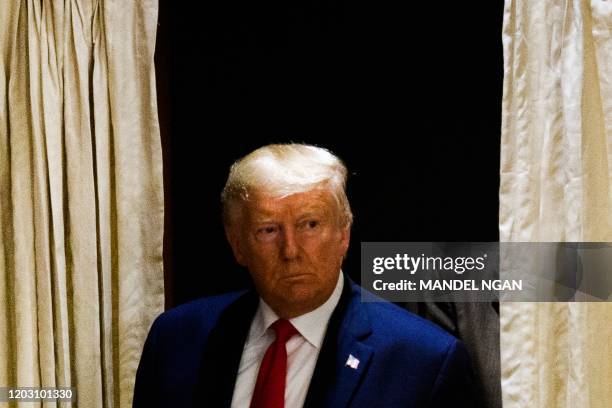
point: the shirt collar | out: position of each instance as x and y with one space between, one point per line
311 326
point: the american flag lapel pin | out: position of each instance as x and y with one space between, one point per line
352 362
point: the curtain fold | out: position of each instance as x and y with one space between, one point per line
81 195
556 186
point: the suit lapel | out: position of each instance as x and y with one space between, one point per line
222 353
344 357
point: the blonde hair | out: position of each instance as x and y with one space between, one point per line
281 170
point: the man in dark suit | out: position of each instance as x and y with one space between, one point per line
303 337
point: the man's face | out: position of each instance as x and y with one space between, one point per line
293 248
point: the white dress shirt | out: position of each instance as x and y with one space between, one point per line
302 350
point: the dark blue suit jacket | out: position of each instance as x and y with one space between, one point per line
192 353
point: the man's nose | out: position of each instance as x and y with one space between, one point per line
289 245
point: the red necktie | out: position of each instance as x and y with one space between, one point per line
270 386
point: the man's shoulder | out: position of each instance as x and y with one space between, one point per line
400 322
196 315
395 326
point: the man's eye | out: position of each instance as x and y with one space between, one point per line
267 230
312 224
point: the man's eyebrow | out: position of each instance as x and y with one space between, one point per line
262 218
312 213
260 215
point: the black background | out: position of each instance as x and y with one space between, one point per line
409 96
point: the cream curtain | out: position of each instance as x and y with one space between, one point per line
81 203
556 185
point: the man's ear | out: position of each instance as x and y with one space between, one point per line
235 242
345 238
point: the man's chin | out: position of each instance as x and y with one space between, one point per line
299 290
299 297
